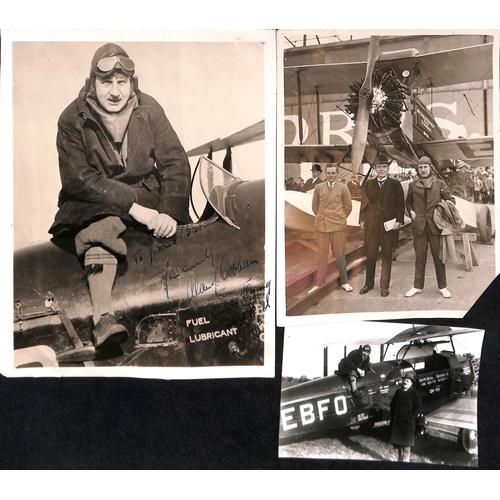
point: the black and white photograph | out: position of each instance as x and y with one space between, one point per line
140 203
216 236
388 182
385 391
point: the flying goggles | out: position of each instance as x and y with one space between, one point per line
106 64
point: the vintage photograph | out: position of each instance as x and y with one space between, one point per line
381 391
387 196
140 202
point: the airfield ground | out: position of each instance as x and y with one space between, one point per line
345 444
465 286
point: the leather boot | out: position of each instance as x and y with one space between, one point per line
108 332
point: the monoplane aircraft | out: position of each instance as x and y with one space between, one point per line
445 380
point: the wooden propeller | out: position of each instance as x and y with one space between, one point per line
361 127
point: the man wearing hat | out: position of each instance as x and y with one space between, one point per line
355 365
121 164
314 180
406 405
331 205
383 203
422 198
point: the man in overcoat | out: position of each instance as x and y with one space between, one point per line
383 203
331 205
423 197
406 405
121 164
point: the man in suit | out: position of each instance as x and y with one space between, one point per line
422 198
314 180
331 205
383 202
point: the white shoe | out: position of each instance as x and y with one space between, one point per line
445 292
347 287
313 289
412 292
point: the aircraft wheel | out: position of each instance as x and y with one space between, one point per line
467 440
484 223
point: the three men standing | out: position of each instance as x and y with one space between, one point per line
381 216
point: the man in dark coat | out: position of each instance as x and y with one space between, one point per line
406 405
314 180
355 365
423 197
383 204
121 164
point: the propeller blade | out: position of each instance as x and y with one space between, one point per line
361 127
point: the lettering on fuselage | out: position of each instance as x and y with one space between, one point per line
197 321
217 334
433 379
297 416
202 337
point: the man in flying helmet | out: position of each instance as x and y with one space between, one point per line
121 165
355 365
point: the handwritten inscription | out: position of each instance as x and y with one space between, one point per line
214 278
223 268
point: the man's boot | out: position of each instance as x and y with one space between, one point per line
354 389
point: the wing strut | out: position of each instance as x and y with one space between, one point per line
318 121
299 93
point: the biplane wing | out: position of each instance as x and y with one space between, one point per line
474 151
252 133
450 67
437 69
335 153
427 332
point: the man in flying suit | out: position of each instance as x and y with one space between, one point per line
355 365
121 164
423 197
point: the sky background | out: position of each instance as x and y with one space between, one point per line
303 353
209 88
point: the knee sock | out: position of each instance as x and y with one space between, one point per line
100 268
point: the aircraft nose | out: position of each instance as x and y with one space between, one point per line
249 197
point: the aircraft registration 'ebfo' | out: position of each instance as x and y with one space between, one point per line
445 376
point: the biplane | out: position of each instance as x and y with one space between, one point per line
197 299
385 104
445 380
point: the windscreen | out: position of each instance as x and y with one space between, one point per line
215 183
